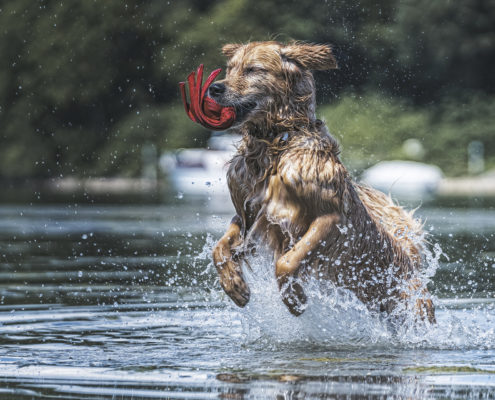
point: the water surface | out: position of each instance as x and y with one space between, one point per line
119 301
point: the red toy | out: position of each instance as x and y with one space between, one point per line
204 110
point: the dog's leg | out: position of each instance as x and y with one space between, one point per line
426 309
423 307
228 269
291 263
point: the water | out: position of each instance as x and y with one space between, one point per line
119 301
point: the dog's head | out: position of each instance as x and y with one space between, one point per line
269 83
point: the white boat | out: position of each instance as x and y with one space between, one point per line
404 179
201 171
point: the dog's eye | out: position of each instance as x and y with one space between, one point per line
253 70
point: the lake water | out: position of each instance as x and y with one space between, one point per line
120 301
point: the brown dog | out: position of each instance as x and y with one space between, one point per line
294 197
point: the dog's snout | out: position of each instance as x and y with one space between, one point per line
217 89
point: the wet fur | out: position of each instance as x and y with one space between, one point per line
295 199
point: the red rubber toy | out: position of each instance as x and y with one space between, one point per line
203 109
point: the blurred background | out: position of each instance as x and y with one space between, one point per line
89 89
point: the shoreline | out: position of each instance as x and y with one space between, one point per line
467 186
457 187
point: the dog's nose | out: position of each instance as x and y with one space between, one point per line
216 89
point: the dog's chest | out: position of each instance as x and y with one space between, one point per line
281 208
267 209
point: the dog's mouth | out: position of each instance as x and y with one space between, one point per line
243 109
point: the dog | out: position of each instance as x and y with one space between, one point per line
295 199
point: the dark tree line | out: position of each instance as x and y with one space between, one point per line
84 84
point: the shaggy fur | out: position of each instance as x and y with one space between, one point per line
295 199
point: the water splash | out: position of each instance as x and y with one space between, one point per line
334 317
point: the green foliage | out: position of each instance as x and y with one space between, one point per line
372 128
84 85
456 123
163 127
447 44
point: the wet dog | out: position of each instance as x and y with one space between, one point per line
296 200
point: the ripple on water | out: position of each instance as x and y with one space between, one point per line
133 310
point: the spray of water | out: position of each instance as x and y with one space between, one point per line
334 317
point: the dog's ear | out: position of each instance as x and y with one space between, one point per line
229 50
310 56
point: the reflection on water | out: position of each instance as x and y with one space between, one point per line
121 302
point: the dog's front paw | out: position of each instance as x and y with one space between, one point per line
230 273
233 284
294 297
